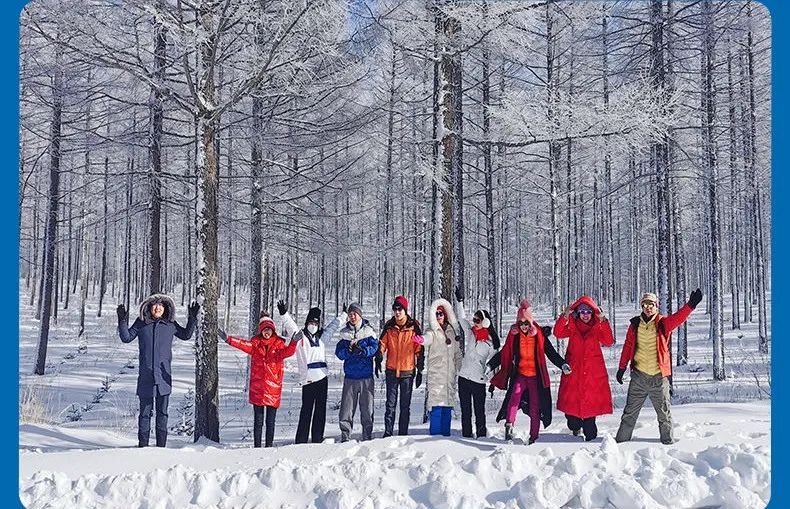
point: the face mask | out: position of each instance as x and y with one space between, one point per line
312 329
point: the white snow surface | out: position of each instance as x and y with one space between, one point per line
78 442
722 458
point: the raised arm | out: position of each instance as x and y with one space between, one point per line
289 326
186 332
240 343
605 336
331 329
562 327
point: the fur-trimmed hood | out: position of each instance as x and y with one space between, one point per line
170 308
449 313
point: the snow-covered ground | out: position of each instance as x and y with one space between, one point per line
78 437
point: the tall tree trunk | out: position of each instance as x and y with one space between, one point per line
449 62
206 370
105 240
53 198
488 175
156 116
711 172
659 156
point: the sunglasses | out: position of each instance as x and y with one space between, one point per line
524 323
397 308
476 320
585 311
648 305
440 313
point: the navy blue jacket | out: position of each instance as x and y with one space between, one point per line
357 362
155 341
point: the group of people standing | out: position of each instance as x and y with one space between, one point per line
459 358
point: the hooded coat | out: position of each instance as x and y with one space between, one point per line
266 364
585 392
155 341
509 358
442 361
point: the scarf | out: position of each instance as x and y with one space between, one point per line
481 334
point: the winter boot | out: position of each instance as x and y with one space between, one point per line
577 432
532 440
508 431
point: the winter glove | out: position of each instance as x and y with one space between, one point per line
491 389
420 362
620 373
354 348
418 339
695 298
281 307
418 379
345 308
459 293
222 334
123 316
193 309
566 370
378 363
567 312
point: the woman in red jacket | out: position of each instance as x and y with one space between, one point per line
268 351
584 393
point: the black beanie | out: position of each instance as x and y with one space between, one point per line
314 315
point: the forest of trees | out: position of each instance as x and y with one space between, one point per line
324 151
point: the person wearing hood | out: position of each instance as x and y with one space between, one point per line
268 352
584 393
401 340
646 348
311 359
480 345
356 348
443 353
154 329
524 373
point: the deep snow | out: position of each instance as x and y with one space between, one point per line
79 449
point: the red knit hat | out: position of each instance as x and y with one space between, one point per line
401 301
525 311
266 323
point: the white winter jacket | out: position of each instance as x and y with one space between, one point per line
310 352
442 361
476 353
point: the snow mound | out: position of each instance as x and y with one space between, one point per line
401 472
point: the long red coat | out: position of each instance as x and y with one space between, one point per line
266 366
585 392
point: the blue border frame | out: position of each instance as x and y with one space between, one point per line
779 273
9 299
9 278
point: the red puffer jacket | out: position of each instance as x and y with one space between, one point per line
585 392
266 366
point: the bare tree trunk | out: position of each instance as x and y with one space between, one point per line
488 175
206 370
156 116
53 197
105 240
711 171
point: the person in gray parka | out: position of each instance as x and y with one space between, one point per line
154 329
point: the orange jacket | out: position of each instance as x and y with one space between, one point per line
398 343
